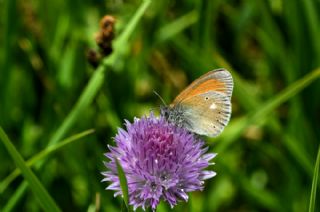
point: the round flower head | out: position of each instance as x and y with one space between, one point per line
160 160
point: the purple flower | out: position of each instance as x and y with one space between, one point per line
161 162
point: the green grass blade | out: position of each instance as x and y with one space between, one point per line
123 184
309 8
314 184
204 28
15 198
121 43
85 99
97 79
38 157
172 29
9 28
46 201
286 94
124 37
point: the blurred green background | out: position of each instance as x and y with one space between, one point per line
266 154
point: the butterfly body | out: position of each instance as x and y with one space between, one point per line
204 107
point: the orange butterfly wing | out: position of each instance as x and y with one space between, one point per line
219 80
207 103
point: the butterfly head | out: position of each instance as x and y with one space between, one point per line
174 114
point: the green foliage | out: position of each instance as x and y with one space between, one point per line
123 184
38 157
313 195
49 92
39 191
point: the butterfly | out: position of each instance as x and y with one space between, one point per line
204 107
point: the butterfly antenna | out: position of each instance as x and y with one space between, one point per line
160 98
